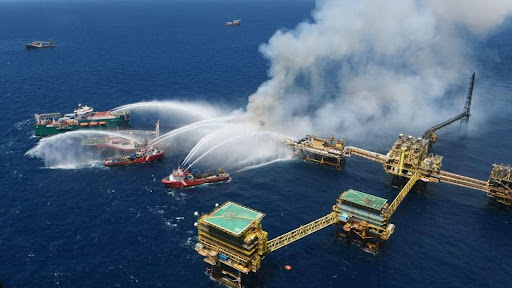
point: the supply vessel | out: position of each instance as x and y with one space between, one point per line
181 178
142 155
83 117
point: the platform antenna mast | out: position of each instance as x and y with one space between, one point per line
467 106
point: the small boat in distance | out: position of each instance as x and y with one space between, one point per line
142 155
181 178
40 44
234 23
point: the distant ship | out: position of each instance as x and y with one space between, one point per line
40 44
181 178
234 23
83 117
143 155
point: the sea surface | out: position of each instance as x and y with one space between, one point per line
96 227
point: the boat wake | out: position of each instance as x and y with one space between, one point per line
94 164
66 151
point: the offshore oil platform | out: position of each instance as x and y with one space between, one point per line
325 151
233 242
320 150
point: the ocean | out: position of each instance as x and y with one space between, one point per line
96 227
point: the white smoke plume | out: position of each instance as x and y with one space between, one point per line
365 67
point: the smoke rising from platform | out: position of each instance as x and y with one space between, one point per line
359 69
362 68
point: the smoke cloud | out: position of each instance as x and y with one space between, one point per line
364 67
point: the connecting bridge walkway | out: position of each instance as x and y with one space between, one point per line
368 155
400 197
459 180
443 176
302 232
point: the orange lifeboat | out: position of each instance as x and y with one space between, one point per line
103 123
84 124
94 124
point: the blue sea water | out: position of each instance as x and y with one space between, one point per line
97 227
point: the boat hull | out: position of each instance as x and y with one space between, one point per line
145 159
195 182
32 46
42 130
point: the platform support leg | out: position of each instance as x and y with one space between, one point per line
231 277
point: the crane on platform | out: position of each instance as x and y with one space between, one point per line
463 117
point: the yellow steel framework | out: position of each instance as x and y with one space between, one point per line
463 181
329 152
230 257
500 184
398 199
301 232
368 155
407 158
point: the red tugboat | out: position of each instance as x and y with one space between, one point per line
181 178
142 155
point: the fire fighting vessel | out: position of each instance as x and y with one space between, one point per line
142 155
181 178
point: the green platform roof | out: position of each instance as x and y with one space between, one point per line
233 218
364 199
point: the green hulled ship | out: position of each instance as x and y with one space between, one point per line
83 117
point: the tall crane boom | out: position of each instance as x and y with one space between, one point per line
431 131
467 105
463 117
301 232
